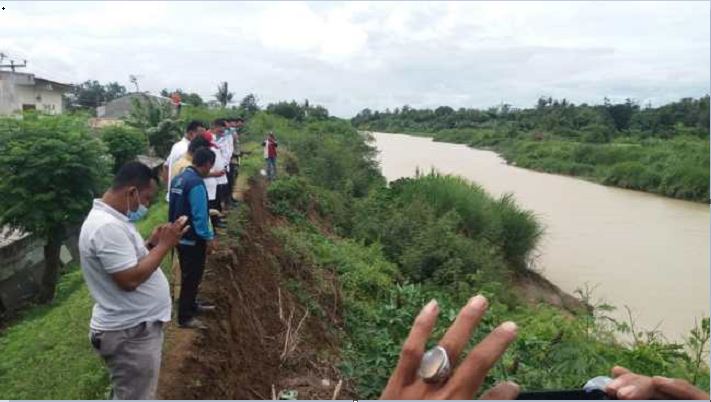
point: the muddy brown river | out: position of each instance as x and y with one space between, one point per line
640 250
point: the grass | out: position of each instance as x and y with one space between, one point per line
442 237
676 167
46 354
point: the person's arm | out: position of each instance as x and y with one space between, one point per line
199 212
131 278
628 385
154 238
112 252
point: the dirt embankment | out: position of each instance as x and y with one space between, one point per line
264 336
533 289
262 339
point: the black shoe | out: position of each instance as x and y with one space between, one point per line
193 323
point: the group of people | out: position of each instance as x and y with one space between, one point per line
133 302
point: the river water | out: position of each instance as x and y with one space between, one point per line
643 251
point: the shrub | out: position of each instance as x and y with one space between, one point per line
124 144
52 169
163 136
290 197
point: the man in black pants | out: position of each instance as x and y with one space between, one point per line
188 197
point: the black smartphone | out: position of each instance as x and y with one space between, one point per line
573 394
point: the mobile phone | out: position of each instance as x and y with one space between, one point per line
573 394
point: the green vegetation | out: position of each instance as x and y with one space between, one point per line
191 99
46 354
51 166
664 150
124 144
440 237
90 94
392 249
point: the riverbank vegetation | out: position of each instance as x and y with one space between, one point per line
391 249
663 150
394 248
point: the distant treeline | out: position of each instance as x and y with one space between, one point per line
591 123
663 150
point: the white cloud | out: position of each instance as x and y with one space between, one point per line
355 55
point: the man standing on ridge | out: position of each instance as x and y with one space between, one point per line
194 128
122 272
225 143
188 197
217 174
270 154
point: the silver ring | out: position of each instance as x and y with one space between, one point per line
435 365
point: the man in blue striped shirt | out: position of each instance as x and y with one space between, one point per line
188 197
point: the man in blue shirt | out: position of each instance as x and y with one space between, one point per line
188 197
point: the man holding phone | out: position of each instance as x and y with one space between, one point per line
122 272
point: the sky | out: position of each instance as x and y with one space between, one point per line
356 55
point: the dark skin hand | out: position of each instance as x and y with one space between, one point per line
466 378
168 236
628 385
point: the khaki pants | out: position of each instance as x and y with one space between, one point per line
133 358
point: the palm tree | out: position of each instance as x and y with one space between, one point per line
223 95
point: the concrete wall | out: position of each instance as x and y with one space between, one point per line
120 108
46 101
23 89
22 265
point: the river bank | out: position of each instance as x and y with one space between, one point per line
602 237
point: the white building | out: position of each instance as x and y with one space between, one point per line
22 91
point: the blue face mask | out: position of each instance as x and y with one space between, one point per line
138 214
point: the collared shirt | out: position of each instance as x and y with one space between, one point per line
181 164
178 149
109 243
226 145
211 183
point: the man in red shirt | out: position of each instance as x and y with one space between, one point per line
270 154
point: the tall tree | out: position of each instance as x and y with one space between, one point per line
53 167
91 94
223 95
249 104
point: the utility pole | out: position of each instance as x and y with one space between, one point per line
12 64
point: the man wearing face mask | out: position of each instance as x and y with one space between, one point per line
188 197
131 294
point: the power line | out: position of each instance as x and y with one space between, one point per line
12 64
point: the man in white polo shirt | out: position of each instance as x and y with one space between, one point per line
194 129
124 278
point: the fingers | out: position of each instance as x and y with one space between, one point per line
460 332
185 229
678 389
471 373
614 386
502 391
618 371
181 220
414 346
630 386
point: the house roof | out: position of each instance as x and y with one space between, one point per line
66 87
122 106
31 79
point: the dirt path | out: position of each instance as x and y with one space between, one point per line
261 339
